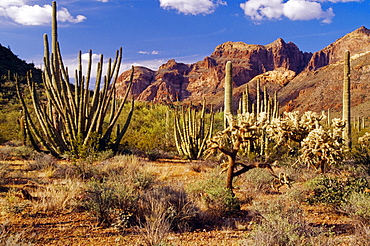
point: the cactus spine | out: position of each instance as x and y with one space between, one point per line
71 120
347 99
228 100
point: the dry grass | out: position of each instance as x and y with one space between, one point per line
148 203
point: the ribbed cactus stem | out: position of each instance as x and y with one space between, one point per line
246 100
258 96
265 96
54 28
191 131
347 100
228 100
363 122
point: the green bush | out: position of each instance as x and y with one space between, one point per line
334 191
256 180
99 200
281 222
16 152
213 193
150 128
171 205
357 206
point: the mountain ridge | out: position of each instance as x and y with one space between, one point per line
280 66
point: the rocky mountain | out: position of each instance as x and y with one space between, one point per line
304 81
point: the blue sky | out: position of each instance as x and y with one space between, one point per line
154 31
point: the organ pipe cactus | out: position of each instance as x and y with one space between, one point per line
191 131
228 100
347 99
73 118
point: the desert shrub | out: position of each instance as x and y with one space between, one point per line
256 180
99 200
213 193
82 169
164 209
111 195
16 152
150 128
9 128
362 234
14 204
59 196
8 238
43 162
357 206
361 158
333 190
6 153
281 222
128 169
153 155
3 172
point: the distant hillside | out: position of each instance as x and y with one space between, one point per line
10 62
304 81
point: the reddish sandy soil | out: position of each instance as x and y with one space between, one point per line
79 228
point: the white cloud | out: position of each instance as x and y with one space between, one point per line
103 1
259 10
192 7
7 3
339 1
85 57
154 52
306 10
21 13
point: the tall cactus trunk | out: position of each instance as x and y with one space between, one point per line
228 100
347 100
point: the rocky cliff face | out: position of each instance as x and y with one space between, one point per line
356 42
305 81
178 81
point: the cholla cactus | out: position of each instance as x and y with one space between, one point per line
246 128
364 141
323 148
293 126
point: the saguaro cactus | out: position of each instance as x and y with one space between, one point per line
347 99
228 100
72 118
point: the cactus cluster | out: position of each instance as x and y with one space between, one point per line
257 131
264 103
323 148
191 131
73 118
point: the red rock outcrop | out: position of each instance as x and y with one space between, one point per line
305 81
356 42
178 81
